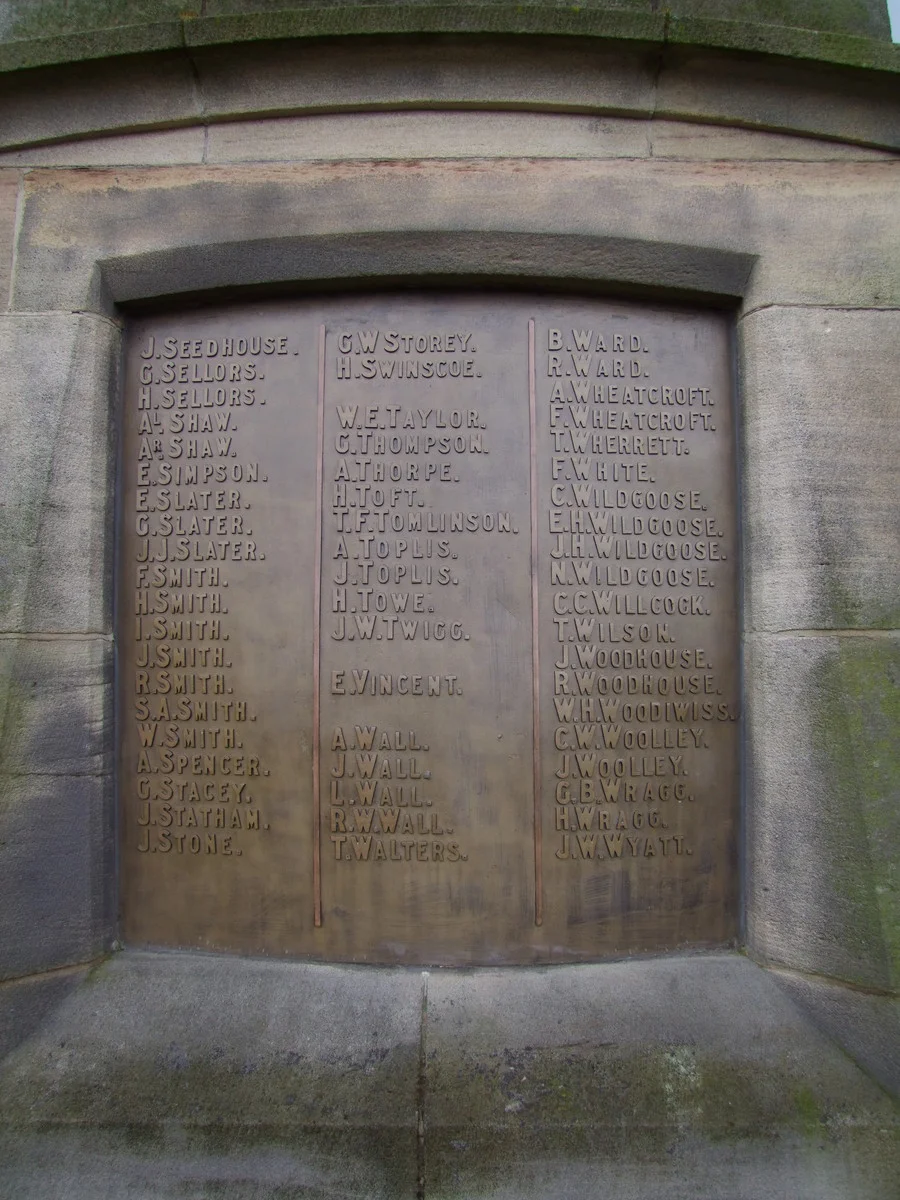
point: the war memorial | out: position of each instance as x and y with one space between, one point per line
450 551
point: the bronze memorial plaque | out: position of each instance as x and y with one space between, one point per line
427 629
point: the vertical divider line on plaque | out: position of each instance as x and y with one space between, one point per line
535 642
317 637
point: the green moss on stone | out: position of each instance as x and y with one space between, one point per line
26 19
173 1083
501 1115
866 18
653 1091
784 41
808 1109
857 708
851 32
863 609
13 700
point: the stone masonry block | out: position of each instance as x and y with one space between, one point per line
754 91
823 788
819 232
469 135
297 1043
57 850
287 77
164 147
435 135
205 1075
127 94
866 1024
821 468
726 143
57 453
9 193
55 706
184 1074
666 1077
57 855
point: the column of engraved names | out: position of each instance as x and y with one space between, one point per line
632 565
402 438
196 783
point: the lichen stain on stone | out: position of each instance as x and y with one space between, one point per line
654 1091
603 1108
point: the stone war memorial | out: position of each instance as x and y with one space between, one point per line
450 551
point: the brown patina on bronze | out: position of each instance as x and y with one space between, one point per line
427 629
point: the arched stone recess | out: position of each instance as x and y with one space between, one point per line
96 242
414 257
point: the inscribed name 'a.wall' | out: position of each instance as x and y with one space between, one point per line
428 629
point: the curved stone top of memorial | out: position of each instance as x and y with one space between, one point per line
850 33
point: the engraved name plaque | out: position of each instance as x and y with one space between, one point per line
427 629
